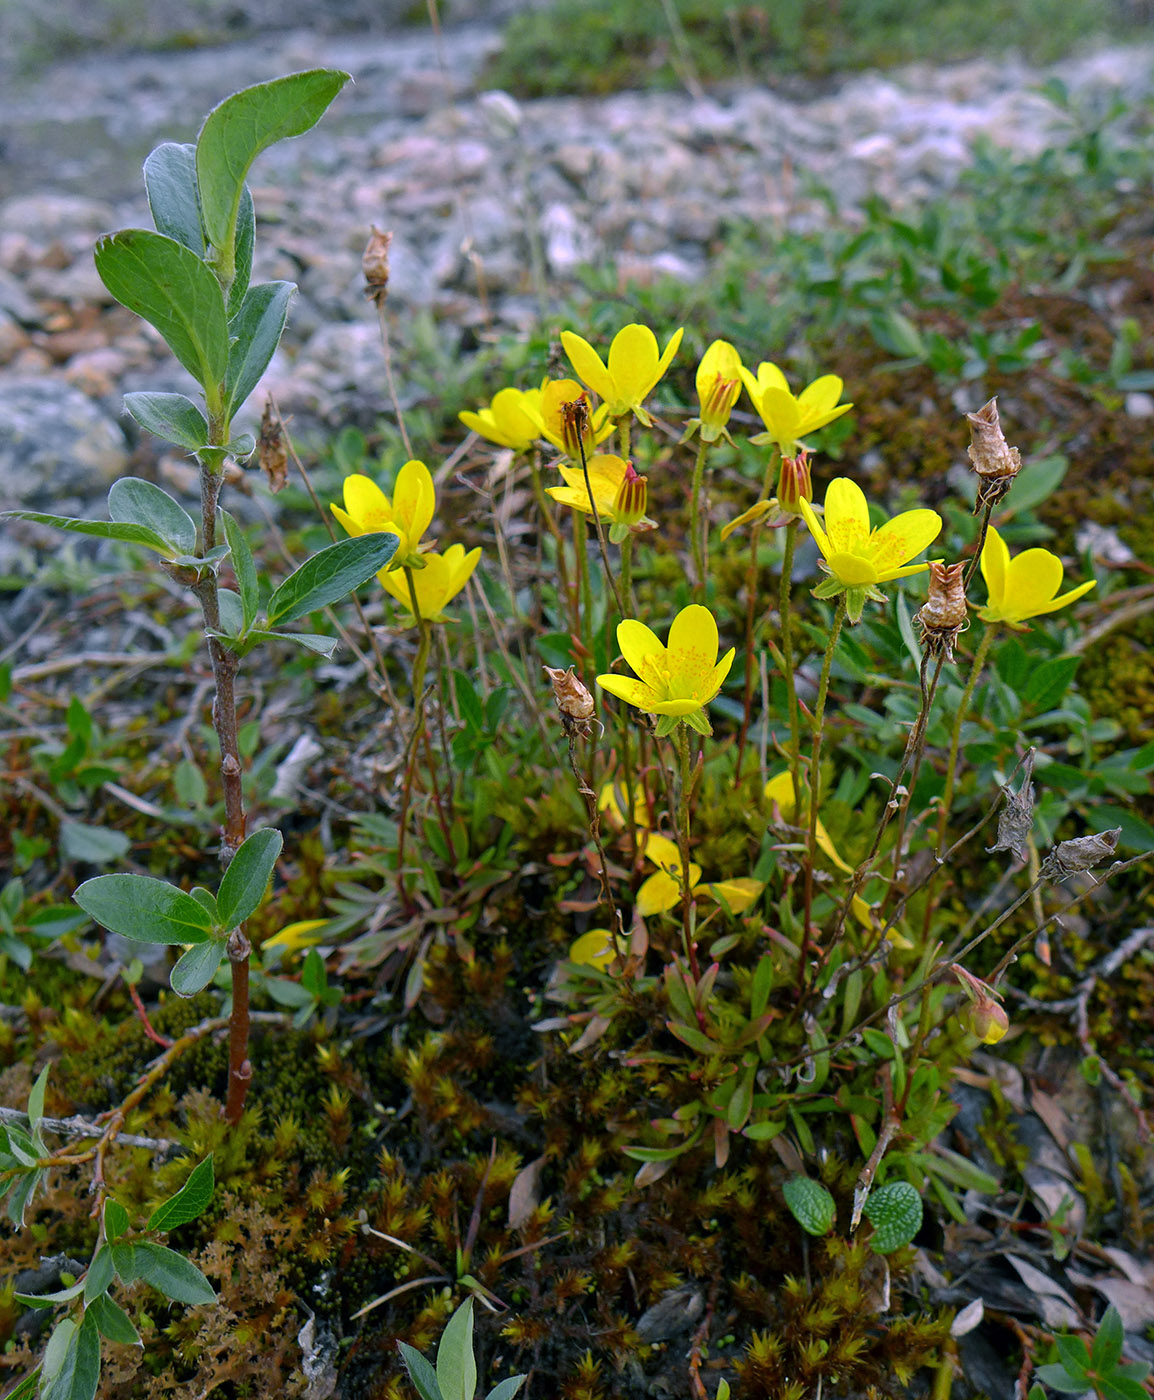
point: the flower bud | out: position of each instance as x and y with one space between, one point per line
632 498
994 460
943 615
375 265
794 484
988 1021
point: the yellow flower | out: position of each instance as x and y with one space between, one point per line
788 418
662 891
736 894
782 791
548 407
436 585
369 511
615 506
632 372
857 557
1024 587
597 948
511 420
718 387
610 799
294 937
676 681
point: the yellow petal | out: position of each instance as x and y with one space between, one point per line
770 377
637 643
633 692
633 364
815 528
668 353
755 512
779 412
414 500
692 656
349 525
1071 597
302 934
587 364
658 894
897 541
847 516
509 414
737 894
780 790
663 852
366 503
822 837
1032 580
721 358
594 949
852 570
820 396
995 564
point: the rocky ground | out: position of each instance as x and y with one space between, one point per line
494 205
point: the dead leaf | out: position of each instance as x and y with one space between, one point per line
524 1194
1058 1309
968 1318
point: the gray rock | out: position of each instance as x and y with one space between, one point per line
54 443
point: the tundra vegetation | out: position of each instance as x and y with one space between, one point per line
725 785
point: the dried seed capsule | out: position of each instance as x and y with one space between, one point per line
994 460
271 453
943 615
574 702
1082 853
375 265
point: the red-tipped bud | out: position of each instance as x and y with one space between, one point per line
794 483
988 1021
718 398
632 498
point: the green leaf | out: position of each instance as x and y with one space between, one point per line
456 1366
168 1272
246 879
190 1201
20 1195
1059 1378
256 330
132 501
151 911
36 1098
102 529
99 1276
27 1388
113 1322
810 1204
49 1300
1049 681
1037 480
170 183
506 1389
422 1375
98 845
171 417
1137 835
243 125
244 566
1106 1351
1117 1387
245 244
329 575
195 969
168 285
115 1220
895 1212
72 1372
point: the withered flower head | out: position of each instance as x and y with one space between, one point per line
575 431
271 453
1082 853
994 460
375 265
1016 818
943 615
574 702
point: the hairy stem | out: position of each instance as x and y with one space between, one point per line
815 778
700 552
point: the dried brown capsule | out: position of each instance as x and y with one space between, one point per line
1016 819
943 615
574 702
375 265
994 460
271 453
1083 853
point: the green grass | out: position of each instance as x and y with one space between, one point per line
602 46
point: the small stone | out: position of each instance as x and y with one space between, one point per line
1139 405
55 442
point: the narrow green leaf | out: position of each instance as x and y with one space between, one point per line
78 1373
243 125
1037 480
810 1204
190 1201
168 285
27 1388
20 1195
245 243
206 899
36 1098
113 1322
99 1276
170 183
102 529
256 330
895 1212
115 1220
133 501
329 575
195 969
246 879
507 1389
49 1300
456 1365
172 417
311 641
244 566
422 1375
171 1274
137 906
